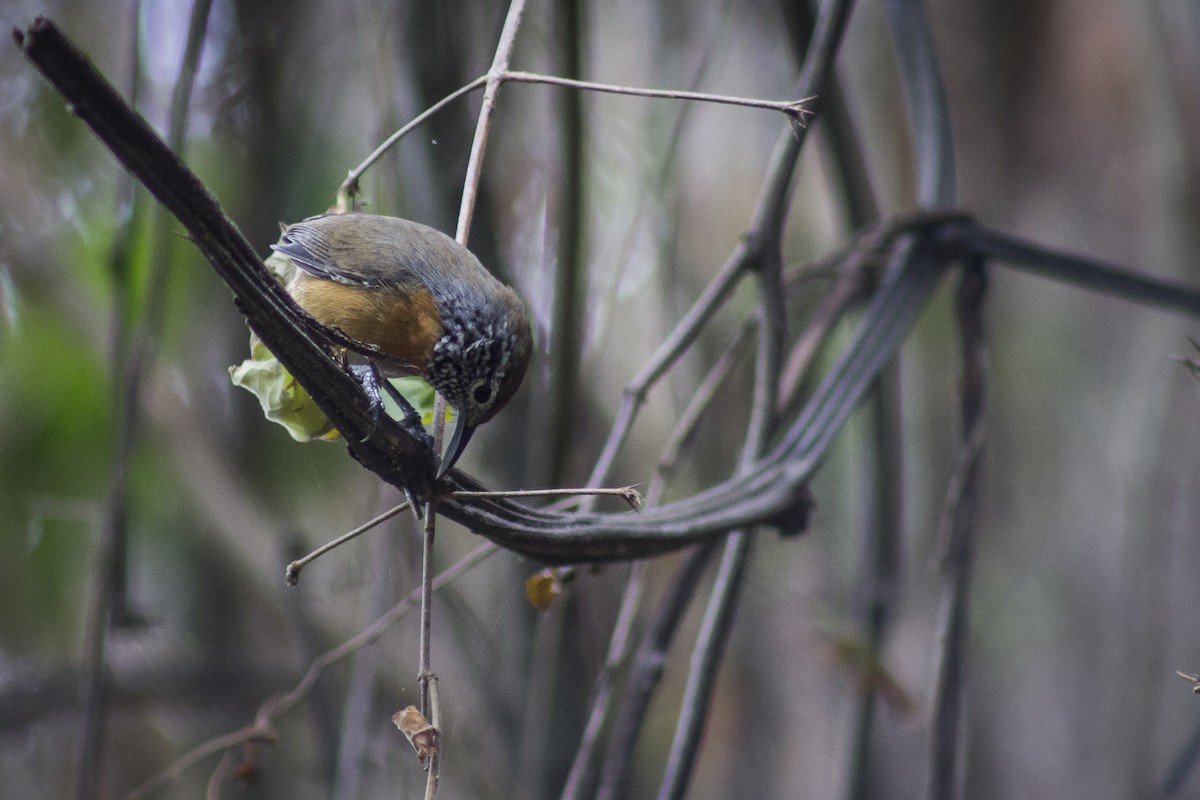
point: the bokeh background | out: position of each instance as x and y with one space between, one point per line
1077 126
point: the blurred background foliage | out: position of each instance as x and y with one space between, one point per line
1077 125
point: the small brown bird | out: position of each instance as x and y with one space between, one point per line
423 300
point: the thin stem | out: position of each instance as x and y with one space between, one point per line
349 188
434 774
620 642
470 190
701 400
213 790
425 673
1079 270
849 286
629 494
957 532
772 325
793 109
768 215
768 227
425 657
879 563
646 670
272 709
672 348
504 48
706 658
292 575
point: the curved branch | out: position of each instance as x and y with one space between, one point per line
300 343
771 492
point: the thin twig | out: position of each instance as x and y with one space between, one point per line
767 229
700 402
879 560
958 521
629 494
504 48
402 456
706 658
646 669
879 563
213 790
176 768
850 285
767 215
262 728
425 670
292 574
433 775
620 641
851 277
675 345
794 110
425 675
349 188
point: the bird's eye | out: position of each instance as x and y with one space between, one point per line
482 393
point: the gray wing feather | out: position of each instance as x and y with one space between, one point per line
376 251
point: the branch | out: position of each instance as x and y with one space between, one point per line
794 110
299 342
770 493
263 726
958 534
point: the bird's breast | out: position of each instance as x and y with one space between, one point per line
404 323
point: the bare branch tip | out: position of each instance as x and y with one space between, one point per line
632 496
40 23
292 574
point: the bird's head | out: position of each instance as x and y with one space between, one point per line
479 363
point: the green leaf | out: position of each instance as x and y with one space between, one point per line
283 400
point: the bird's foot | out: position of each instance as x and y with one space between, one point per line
372 381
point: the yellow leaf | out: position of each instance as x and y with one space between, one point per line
543 588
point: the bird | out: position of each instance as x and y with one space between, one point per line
423 303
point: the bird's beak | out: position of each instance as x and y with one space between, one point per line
458 442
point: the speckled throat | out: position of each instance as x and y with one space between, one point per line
477 344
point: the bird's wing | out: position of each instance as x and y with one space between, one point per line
312 251
350 249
